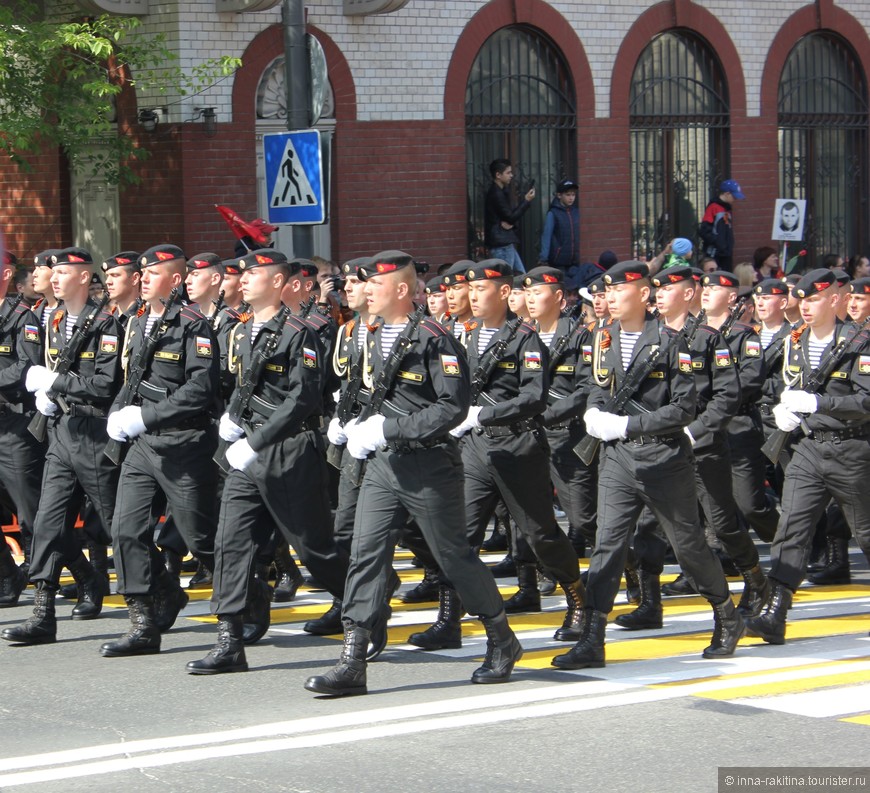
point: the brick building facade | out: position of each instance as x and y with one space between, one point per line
404 173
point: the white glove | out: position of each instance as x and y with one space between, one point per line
44 405
365 437
336 433
689 435
240 455
612 427
229 430
114 428
800 401
470 422
130 421
39 378
785 419
590 418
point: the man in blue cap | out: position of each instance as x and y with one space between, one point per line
716 228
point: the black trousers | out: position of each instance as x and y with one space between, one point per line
178 463
661 477
748 472
576 484
716 496
517 469
21 464
74 465
345 511
425 484
286 486
818 472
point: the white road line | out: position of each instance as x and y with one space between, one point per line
816 704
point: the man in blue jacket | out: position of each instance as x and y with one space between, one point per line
560 240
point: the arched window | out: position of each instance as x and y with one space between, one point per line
822 107
519 104
679 119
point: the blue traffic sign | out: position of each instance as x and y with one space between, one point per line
294 178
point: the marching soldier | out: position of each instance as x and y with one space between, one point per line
164 419
505 452
859 300
276 455
827 374
75 391
436 300
23 456
123 275
646 460
456 292
422 379
47 302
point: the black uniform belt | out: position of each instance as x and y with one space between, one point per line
564 425
311 423
405 447
643 440
195 423
824 436
747 408
86 410
503 430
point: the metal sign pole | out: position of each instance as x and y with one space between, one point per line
298 82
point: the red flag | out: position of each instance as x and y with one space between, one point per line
258 230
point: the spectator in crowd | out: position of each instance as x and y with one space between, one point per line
501 218
858 267
716 228
765 260
560 240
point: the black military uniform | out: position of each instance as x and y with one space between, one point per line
825 464
505 454
416 470
647 462
75 464
745 432
177 403
23 456
284 481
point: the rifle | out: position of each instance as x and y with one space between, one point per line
385 382
491 358
562 342
307 307
345 408
11 308
775 444
736 311
63 364
136 372
219 305
244 393
587 448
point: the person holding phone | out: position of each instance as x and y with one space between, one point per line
501 218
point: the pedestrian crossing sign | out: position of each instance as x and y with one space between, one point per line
294 178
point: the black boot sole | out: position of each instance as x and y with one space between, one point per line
128 653
26 642
451 645
577 664
768 637
87 616
313 685
216 670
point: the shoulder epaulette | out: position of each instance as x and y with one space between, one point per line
525 327
188 312
295 322
432 326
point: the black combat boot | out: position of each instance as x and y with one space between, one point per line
728 629
588 653
258 611
755 592
348 676
143 638
202 578
13 579
169 599
498 540
546 585
173 562
578 541
528 596
503 650
506 568
770 623
446 632
648 615
836 569
632 580
41 628
228 655
288 579
328 624
681 585
426 591
91 590
572 625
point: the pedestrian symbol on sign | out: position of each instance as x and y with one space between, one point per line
292 187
